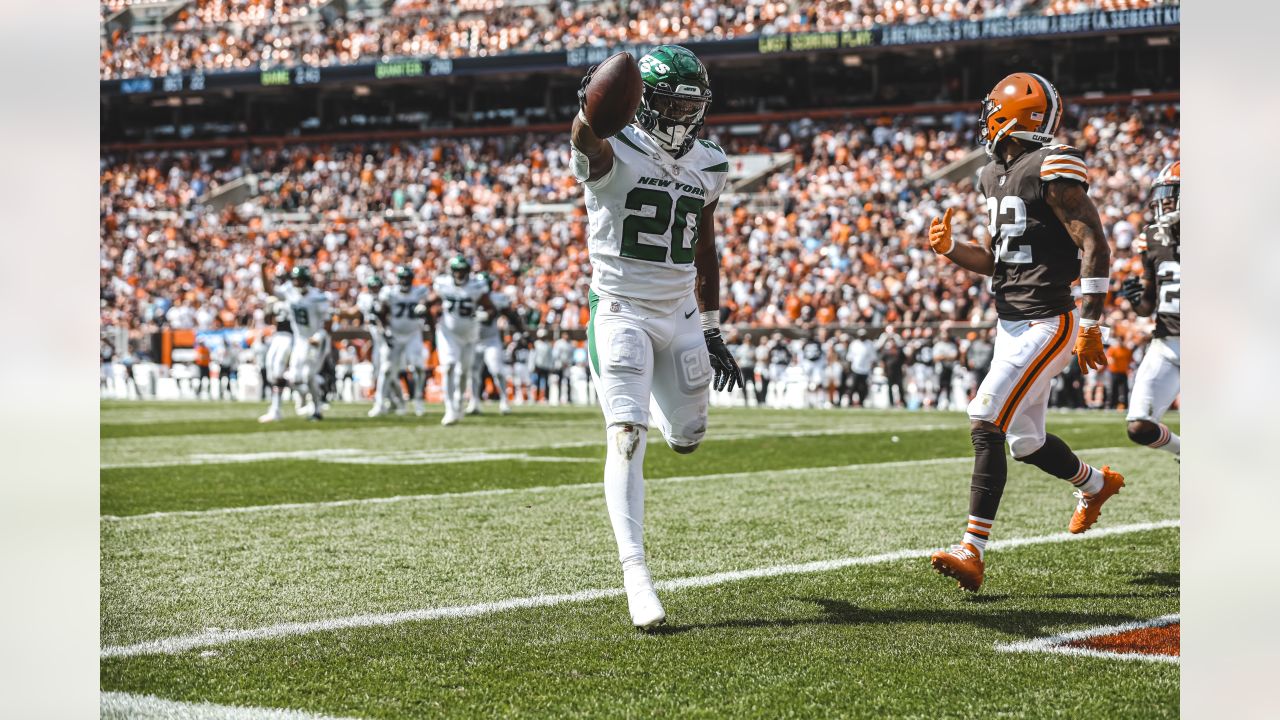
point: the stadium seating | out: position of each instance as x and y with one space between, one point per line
244 34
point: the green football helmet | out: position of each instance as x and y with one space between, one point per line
374 282
300 275
404 276
675 99
460 269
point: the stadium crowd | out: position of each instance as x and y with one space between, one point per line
834 240
248 34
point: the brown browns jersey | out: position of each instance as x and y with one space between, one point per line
1162 266
1036 260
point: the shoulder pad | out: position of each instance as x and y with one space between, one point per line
1063 162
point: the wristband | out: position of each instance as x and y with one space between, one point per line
710 320
1094 285
582 116
1087 323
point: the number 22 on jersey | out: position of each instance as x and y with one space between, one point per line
1007 220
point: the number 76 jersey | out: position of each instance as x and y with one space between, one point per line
1036 259
643 218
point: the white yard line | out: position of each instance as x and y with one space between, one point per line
478 454
174 645
127 706
1057 643
320 505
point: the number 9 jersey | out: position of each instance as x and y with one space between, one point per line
643 218
1036 259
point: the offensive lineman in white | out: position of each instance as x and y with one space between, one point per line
404 313
651 194
279 347
490 351
460 295
311 321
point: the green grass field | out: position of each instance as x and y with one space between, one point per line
393 568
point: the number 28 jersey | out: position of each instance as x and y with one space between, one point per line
1036 259
1162 265
643 218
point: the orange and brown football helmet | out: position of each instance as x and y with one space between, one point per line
1165 192
1023 106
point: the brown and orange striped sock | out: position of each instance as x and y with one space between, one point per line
977 532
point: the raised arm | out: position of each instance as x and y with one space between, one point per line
970 256
593 156
1072 206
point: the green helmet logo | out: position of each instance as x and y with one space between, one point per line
675 99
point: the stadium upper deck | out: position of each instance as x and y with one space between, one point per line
157 39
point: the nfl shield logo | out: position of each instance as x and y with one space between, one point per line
1002 177
614 306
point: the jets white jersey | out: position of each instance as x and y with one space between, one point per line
489 329
308 309
643 218
460 303
400 305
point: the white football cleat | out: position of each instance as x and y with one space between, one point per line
306 410
450 418
419 408
473 407
642 600
270 417
503 407
377 411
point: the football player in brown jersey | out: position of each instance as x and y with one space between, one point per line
1159 292
1044 230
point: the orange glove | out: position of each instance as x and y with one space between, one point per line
940 234
1089 351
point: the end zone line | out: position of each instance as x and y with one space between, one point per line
324 504
182 643
128 706
1057 643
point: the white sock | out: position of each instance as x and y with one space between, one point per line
276 392
450 387
624 490
1088 479
1168 441
977 532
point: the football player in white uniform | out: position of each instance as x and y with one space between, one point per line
460 296
1158 379
311 321
489 350
404 313
276 362
368 310
651 194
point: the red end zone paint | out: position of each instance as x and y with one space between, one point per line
1162 640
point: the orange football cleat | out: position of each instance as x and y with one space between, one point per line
1090 506
962 562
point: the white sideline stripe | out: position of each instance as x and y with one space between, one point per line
1057 643
284 507
128 706
182 643
347 455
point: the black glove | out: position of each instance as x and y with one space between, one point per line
726 368
1132 289
582 87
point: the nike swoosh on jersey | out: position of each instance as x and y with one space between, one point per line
690 313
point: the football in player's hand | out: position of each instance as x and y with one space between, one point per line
613 95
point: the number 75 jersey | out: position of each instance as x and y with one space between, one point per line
643 218
1036 259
